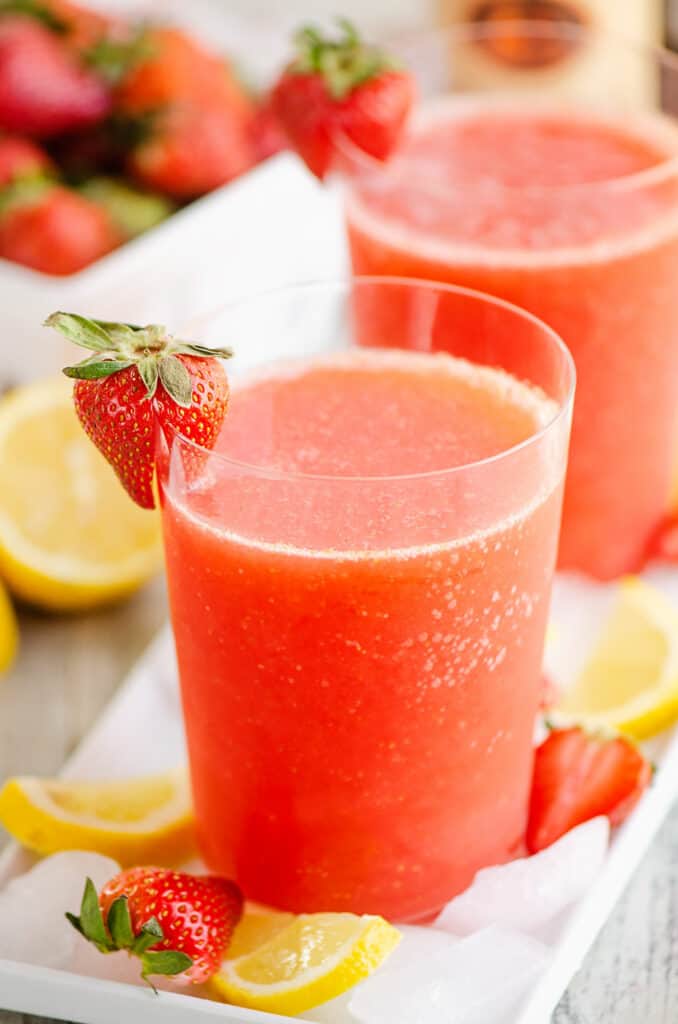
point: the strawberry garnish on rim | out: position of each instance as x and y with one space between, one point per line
178 925
337 87
139 378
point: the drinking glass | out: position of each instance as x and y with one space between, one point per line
558 192
358 607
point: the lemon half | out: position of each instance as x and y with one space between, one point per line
630 682
146 820
70 537
312 960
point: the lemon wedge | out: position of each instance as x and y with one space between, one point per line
70 537
312 960
146 820
9 632
630 681
256 926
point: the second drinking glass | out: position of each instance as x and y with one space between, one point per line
562 198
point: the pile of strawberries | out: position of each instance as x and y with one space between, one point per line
105 126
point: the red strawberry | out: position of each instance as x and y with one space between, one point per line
197 117
177 924
179 70
137 378
54 230
578 776
21 158
192 151
341 87
44 89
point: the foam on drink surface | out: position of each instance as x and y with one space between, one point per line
356 452
505 182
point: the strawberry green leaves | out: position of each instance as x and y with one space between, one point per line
96 369
120 924
344 62
116 934
80 330
121 345
175 380
90 924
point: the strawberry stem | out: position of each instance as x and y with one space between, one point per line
117 933
344 63
114 58
117 346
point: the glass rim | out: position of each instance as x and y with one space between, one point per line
467 31
345 285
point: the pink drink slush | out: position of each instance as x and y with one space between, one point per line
359 663
547 210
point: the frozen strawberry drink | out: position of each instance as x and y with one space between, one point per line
359 577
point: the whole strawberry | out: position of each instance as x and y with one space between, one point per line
191 151
177 70
52 229
45 89
341 87
192 115
179 925
139 378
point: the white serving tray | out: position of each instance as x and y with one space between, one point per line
150 695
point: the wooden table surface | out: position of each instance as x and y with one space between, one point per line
69 668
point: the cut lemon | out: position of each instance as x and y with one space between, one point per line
69 535
256 926
9 631
312 960
146 820
630 682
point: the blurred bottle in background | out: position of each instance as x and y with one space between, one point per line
671 17
560 62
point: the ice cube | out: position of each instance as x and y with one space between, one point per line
527 893
415 948
476 980
33 928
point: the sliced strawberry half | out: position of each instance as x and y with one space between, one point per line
578 776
